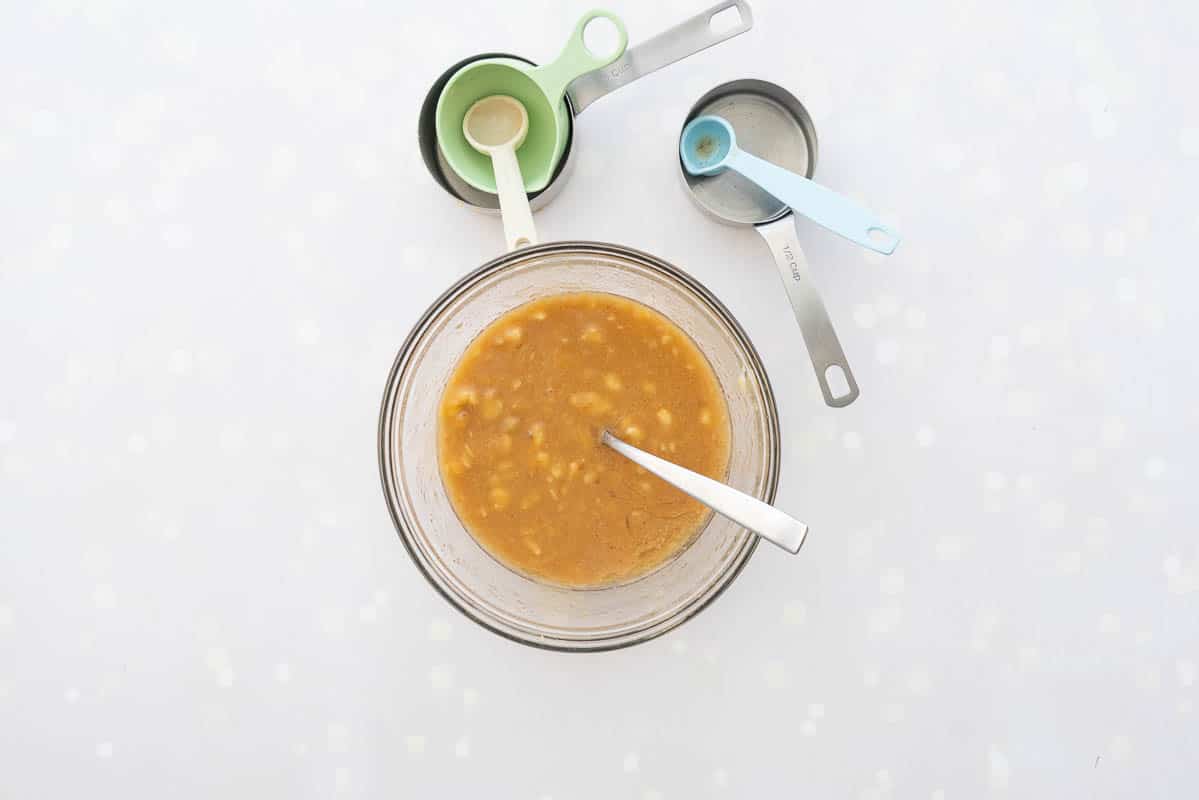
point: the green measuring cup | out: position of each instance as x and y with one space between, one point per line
542 91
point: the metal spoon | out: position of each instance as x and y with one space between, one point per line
761 518
496 126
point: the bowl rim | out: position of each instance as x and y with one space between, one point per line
391 489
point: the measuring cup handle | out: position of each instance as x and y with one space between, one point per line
575 59
819 204
673 44
814 324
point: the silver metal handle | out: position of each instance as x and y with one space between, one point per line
684 39
761 518
823 346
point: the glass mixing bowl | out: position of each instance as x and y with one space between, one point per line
484 589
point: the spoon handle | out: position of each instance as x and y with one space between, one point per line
819 204
761 518
514 203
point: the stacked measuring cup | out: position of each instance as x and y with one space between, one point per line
553 136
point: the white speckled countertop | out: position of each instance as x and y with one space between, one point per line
217 230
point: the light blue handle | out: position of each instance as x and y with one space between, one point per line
822 206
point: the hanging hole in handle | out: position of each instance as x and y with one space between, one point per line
883 239
838 384
725 20
601 37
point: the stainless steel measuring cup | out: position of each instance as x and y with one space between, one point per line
685 39
773 124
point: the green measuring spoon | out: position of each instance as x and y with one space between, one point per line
542 90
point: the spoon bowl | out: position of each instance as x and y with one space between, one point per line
706 145
494 122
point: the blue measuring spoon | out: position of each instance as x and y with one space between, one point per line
709 145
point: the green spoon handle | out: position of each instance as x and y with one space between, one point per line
575 59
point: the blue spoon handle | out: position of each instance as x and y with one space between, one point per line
822 206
